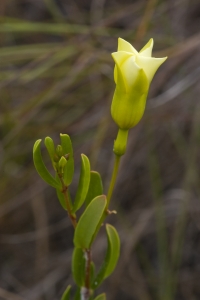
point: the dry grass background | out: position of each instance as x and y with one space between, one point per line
57 76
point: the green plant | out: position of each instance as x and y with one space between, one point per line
133 74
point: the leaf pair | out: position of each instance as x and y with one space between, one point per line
85 232
83 186
65 150
90 184
41 168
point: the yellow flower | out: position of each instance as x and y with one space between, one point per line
133 74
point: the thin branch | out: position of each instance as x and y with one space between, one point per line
68 206
85 291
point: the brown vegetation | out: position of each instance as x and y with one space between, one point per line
57 76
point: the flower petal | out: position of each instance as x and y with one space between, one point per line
119 58
150 65
130 71
147 49
115 74
125 46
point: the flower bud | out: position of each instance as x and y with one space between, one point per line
133 74
62 163
59 151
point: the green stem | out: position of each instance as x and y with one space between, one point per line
85 291
67 201
113 179
110 192
120 143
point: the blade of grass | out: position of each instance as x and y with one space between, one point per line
157 190
56 29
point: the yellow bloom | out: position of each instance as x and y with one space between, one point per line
133 74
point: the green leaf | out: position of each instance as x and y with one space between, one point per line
111 257
89 222
68 150
66 293
95 187
41 168
61 198
113 249
49 143
101 297
78 266
84 182
60 195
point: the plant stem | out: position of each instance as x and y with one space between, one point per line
113 179
85 291
70 214
109 195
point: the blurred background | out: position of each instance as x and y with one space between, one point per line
56 76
